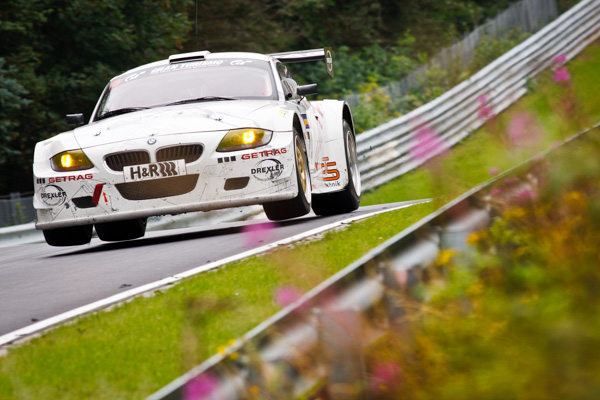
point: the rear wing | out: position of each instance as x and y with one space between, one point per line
307 56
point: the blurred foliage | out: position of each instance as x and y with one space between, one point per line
58 54
516 316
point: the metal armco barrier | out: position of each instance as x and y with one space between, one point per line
315 346
318 340
385 152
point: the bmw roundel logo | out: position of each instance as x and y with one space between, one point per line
151 141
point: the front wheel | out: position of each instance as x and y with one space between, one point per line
69 236
121 230
299 205
348 199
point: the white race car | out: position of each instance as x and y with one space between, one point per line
197 132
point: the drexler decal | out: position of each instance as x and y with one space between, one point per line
267 170
52 195
265 153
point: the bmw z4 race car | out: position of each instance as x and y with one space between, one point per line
197 132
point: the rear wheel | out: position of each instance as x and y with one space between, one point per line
348 199
69 236
299 205
121 230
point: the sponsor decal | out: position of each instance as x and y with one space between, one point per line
97 193
225 159
267 170
157 170
53 195
329 61
188 65
330 173
40 181
264 153
70 178
115 82
240 62
305 118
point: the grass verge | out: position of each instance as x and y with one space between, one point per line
143 344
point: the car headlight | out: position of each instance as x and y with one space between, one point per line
247 138
71 160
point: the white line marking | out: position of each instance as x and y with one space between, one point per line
97 305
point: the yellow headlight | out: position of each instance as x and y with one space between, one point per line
71 160
240 139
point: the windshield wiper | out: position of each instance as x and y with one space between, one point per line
120 111
200 99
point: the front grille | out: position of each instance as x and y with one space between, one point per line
157 188
187 152
117 161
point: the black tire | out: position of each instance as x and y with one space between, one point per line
299 205
349 198
69 236
121 230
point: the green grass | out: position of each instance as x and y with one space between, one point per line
140 346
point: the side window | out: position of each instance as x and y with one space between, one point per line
289 84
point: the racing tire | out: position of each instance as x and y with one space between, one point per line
121 230
349 198
69 236
299 205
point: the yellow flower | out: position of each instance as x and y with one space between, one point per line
475 237
514 213
475 290
521 251
445 257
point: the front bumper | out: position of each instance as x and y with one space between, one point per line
214 181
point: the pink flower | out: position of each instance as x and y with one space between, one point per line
200 386
484 111
495 191
386 376
527 195
510 181
494 171
286 295
427 144
523 130
559 59
257 233
562 75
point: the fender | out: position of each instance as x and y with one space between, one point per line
331 168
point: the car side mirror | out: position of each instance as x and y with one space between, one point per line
75 119
306 90
290 88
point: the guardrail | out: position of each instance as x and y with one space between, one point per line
324 326
385 152
314 347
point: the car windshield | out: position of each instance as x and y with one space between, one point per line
211 80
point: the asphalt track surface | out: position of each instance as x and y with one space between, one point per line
38 281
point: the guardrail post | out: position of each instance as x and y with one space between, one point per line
341 338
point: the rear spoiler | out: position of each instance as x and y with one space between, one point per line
307 56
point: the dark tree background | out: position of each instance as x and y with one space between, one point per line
57 55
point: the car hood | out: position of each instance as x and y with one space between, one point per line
188 118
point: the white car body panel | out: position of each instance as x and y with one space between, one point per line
101 194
